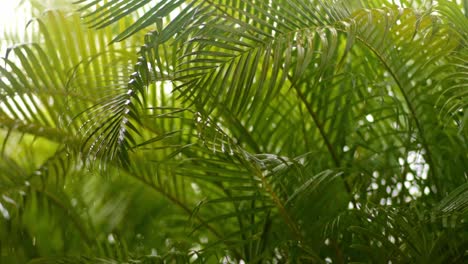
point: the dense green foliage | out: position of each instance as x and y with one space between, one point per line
227 131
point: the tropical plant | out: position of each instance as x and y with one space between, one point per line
237 131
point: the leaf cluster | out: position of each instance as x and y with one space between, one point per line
215 131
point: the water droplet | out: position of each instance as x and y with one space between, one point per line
407 184
195 188
414 191
111 238
204 239
426 190
4 212
409 176
401 161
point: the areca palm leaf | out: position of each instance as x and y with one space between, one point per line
453 100
259 122
250 57
407 82
114 11
29 96
201 76
231 182
408 234
406 88
30 192
38 89
427 241
185 172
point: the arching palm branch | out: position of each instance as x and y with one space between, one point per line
227 131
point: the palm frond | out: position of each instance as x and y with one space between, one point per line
229 131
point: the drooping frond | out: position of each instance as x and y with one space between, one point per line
284 131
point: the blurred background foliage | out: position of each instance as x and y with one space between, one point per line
232 131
